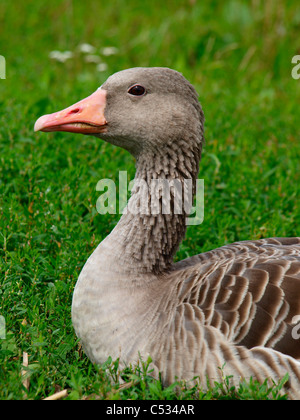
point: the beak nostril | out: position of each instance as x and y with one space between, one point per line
74 111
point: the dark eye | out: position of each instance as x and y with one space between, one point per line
137 90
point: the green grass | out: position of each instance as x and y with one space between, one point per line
238 55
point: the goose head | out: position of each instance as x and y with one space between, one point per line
138 109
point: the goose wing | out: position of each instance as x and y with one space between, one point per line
249 291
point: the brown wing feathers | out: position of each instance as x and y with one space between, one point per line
252 295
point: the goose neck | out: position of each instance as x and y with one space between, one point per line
154 222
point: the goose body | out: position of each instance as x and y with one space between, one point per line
235 305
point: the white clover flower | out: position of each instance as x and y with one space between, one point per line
92 58
109 51
86 48
102 67
61 56
54 54
54 229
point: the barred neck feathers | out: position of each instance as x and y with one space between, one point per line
151 229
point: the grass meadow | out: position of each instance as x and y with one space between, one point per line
238 55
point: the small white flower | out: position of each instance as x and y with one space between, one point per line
54 229
109 51
102 67
61 56
86 48
68 54
54 54
92 58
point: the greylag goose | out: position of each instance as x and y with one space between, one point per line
234 306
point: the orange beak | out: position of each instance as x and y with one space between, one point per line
86 116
